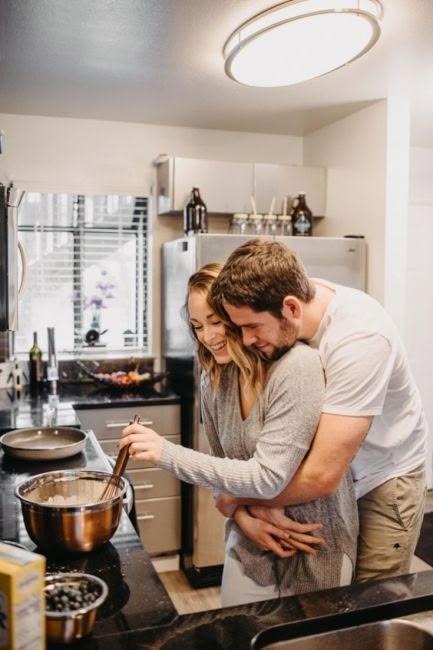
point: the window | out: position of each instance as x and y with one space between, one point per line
87 272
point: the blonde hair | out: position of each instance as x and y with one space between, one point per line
251 368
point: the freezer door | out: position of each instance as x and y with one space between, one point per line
338 259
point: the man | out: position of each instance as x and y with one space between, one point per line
372 416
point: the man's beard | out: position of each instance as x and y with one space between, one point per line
286 340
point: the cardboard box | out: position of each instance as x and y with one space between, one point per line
22 599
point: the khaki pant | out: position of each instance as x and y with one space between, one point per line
390 518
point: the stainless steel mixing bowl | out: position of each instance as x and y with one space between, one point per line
62 513
65 627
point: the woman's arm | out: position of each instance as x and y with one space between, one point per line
289 424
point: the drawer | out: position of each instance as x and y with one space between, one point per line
108 423
110 448
151 484
159 525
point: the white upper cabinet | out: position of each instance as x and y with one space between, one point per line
227 187
282 181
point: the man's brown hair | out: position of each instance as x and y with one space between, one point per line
259 274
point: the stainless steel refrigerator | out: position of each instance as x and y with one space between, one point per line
338 259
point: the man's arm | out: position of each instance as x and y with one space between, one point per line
335 444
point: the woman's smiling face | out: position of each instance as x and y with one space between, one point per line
209 329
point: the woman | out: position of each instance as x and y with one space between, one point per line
260 419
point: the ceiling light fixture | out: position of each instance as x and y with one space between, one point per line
301 39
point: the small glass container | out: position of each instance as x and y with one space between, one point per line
285 228
239 224
255 224
271 225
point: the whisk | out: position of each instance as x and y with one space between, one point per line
112 486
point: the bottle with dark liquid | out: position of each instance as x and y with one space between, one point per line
302 218
35 365
195 214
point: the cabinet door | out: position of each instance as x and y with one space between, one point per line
159 524
280 181
108 423
225 187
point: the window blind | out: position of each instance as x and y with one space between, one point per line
87 259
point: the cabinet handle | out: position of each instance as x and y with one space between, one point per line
143 517
117 425
147 486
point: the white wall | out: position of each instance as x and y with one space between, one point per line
97 156
354 151
367 157
419 285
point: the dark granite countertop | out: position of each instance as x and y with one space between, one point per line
137 597
26 410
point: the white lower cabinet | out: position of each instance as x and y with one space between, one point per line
157 493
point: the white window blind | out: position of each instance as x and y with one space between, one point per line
87 269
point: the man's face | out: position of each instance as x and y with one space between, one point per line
262 331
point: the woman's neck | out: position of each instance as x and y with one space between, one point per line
247 397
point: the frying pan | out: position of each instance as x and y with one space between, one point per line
43 443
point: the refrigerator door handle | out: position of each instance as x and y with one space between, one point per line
23 283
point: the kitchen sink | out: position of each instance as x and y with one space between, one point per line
394 634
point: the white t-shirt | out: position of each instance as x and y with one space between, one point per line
367 373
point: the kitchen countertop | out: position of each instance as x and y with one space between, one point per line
34 410
137 597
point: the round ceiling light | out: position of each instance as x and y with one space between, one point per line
301 39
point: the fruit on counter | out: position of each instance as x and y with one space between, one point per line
124 378
65 598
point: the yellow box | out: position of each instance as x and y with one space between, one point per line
22 599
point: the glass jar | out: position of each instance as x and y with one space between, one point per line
239 224
271 226
255 224
285 228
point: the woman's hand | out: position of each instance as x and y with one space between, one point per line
265 536
297 533
145 444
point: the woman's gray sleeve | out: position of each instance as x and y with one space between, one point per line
292 403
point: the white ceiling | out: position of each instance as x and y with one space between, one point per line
160 62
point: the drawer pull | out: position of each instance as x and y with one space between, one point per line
146 486
117 425
143 517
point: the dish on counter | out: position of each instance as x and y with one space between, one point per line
60 529
43 443
124 379
72 602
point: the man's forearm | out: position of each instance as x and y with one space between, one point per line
300 490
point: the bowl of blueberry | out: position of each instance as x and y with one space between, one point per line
71 603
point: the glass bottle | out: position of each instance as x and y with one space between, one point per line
195 214
35 365
302 218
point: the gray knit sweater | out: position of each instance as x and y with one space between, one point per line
258 456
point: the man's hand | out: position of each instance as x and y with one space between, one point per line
297 533
265 536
